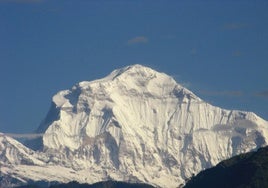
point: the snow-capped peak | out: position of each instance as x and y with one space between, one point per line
130 80
136 71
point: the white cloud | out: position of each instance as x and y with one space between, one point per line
234 26
262 94
137 40
193 51
21 1
222 93
26 136
237 53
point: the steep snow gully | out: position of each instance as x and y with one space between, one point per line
135 125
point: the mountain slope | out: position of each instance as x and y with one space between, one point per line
245 170
139 125
13 154
20 165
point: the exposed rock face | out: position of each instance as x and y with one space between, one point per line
140 125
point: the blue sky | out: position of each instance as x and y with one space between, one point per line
218 49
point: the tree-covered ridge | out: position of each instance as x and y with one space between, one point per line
104 184
248 170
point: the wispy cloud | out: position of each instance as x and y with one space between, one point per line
21 1
137 40
25 136
170 37
186 84
222 93
236 53
193 51
262 94
234 26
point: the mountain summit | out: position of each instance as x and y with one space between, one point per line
137 125
128 102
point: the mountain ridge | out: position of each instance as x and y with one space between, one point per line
103 184
244 170
138 125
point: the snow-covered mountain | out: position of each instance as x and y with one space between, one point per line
136 124
12 154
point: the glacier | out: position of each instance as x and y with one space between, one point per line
135 125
